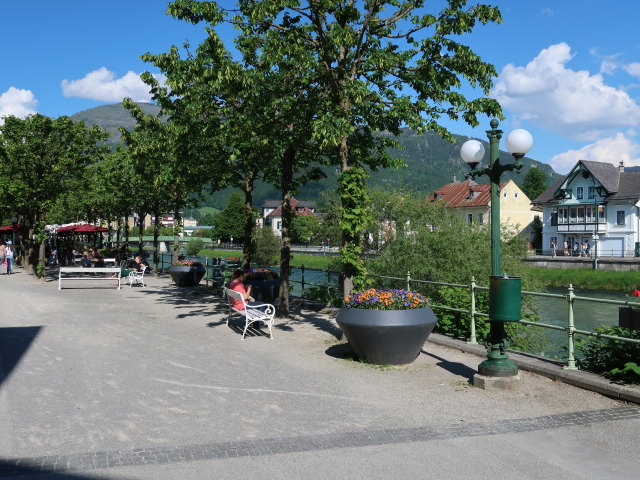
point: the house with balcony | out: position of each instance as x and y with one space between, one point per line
473 202
596 203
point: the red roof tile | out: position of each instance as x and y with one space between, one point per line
464 194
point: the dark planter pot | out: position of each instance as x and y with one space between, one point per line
629 317
264 290
184 276
384 337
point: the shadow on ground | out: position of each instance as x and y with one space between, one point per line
455 368
14 343
10 469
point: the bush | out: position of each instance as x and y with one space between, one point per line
267 247
194 246
612 358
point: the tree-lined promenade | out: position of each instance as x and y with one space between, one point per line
304 84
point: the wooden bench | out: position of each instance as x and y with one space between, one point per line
100 273
263 313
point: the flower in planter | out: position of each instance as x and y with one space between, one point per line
260 274
187 263
636 293
374 299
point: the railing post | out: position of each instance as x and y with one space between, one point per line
408 281
472 338
571 361
206 271
302 280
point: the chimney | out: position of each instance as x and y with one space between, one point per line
621 167
454 179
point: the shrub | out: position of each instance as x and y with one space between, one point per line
611 357
194 246
267 250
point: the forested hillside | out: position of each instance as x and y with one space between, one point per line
431 161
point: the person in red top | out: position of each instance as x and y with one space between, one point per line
237 285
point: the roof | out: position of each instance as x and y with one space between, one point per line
464 194
295 205
619 186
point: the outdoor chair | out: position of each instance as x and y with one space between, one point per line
137 277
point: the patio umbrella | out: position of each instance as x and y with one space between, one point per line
9 228
90 229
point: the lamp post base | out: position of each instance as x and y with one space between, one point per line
497 383
498 367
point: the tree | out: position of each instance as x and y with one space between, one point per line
267 247
194 246
304 229
229 223
534 183
379 66
40 160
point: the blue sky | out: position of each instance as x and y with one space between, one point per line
569 71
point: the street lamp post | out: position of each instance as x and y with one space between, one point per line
519 142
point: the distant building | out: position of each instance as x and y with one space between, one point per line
271 213
595 202
473 202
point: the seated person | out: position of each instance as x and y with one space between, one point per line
135 265
85 261
237 285
99 262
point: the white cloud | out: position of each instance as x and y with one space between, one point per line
611 149
19 103
571 103
633 69
103 85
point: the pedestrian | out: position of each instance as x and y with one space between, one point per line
576 249
554 245
588 249
9 257
565 250
3 257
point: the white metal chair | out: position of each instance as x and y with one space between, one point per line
137 277
263 313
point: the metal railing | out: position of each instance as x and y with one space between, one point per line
570 297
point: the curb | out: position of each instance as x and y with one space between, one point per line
550 369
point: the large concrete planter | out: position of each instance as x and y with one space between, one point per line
382 337
185 276
264 290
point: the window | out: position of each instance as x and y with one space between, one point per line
620 217
554 219
591 214
481 218
516 195
580 214
601 214
469 217
579 193
279 225
573 214
505 194
563 215
592 192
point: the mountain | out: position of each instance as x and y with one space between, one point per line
110 117
431 161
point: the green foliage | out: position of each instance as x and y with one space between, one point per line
194 246
162 231
229 223
201 233
267 250
304 229
585 278
611 357
534 183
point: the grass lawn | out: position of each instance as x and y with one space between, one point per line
587 279
297 259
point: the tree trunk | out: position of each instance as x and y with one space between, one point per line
156 234
347 239
249 222
176 235
287 163
140 234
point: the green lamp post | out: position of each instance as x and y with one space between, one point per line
504 291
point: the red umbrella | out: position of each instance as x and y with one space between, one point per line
90 229
68 228
9 228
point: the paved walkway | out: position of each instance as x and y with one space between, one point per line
151 383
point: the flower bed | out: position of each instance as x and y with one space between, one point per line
388 299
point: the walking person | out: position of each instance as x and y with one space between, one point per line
565 250
588 249
3 257
9 256
554 246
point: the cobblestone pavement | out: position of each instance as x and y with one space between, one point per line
306 443
151 383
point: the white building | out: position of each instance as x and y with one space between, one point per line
595 202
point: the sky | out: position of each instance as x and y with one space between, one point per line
568 70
